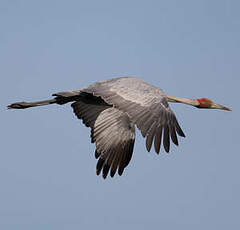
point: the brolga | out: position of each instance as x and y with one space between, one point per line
113 107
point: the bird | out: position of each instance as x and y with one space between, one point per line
112 108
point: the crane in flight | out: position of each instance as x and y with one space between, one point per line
113 107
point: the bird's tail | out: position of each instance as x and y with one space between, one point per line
24 105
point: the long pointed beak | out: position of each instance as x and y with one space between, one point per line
217 106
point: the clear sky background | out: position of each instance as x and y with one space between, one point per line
47 165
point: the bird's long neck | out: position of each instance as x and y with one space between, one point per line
186 101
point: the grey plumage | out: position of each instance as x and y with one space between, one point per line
111 131
112 108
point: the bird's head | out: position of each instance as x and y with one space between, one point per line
205 103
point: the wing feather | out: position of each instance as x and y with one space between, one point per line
158 139
173 136
112 131
146 106
150 137
166 139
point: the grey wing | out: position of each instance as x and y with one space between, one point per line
147 107
113 133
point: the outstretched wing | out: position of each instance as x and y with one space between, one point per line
146 105
111 130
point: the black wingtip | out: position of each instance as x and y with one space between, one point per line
182 134
148 148
97 154
120 171
99 166
105 171
112 174
104 176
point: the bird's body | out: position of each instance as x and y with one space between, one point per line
113 107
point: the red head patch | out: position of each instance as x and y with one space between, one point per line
204 103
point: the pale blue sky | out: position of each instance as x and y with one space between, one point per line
47 165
